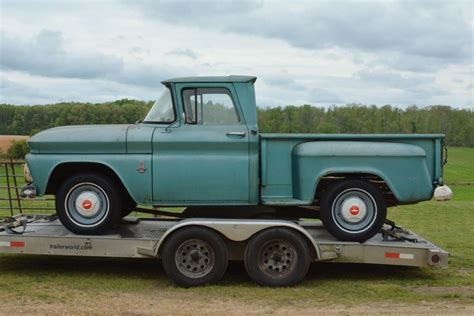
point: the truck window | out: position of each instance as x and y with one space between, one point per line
162 110
209 106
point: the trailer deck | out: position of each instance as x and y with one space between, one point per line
144 238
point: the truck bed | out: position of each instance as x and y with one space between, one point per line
284 179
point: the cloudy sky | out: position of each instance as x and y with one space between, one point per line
316 52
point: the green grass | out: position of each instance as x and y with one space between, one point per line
460 165
447 224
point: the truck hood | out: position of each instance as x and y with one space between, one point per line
85 139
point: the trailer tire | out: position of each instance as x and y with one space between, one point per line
194 256
353 210
88 203
277 257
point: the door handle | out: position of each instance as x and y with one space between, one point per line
235 134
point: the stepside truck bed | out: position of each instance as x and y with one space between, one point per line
292 164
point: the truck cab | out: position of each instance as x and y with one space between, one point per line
209 147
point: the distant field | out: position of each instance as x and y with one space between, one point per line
62 285
5 141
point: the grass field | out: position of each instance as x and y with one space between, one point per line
88 285
460 165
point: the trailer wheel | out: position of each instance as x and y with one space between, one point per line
353 210
277 257
194 256
88 203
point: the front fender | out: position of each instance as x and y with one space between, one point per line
138 184
402 166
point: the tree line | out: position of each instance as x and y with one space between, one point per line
457 124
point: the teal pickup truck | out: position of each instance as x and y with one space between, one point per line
199 146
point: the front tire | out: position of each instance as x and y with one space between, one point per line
88 203
353 210
129 205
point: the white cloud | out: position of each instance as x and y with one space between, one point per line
44 55
436 29
398 52
185 52
21 88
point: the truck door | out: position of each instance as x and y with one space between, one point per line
205 158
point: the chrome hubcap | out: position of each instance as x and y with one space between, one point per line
88 204
353 209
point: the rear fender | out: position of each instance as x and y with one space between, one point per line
402 166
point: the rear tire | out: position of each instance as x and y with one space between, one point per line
353 210
194 256
88 203
277 257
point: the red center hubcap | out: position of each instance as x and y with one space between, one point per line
87 204
354 210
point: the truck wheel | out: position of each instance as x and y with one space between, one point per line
88 203
277 257
129 206
194 256
353 210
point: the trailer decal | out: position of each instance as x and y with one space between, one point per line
86 246
397 255
17 244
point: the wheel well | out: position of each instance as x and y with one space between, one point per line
65 170
179 229
326 181
314 255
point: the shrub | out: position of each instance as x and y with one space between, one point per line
18 149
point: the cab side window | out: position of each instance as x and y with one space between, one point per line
209 106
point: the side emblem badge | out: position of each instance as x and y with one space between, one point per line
141 166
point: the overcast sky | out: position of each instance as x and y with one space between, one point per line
316 52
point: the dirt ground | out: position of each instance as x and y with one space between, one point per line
158 302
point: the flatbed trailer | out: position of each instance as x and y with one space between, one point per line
195 251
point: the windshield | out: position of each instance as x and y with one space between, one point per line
162 111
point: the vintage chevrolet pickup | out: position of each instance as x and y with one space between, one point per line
200 146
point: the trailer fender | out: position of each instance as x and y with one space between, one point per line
235 230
